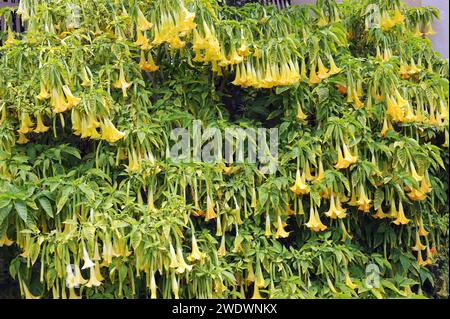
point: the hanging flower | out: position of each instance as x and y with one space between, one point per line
300 187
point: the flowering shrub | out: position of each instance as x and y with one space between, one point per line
91 91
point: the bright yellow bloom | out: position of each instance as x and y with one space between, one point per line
380 214
196 254
93 280
58 101
182 265
5 241
314 223
44 94
121 83
210 213
313 78
281 233
71 100
22 139
26 124
268 230
422 231
256 294
333 68
40 127
143 23
222 251
364 203
110 132
300 187
414 174
401 218
147 65
418 246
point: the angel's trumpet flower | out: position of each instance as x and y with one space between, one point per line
147 65
210 213
22 139
387 126
182 265
43 94
398 17
109 132
222 251
418 246
308 175
121 83
356 100
335 211
71 100
300 115
40 127
26 125
256 294
79 280
143 23
401 218
313 78
93 280
87 261
380 214
5 241
281 233
342 163
348 156
196 254
430 30
425 185
300 187
174 263
320 173
364 203
153 287
84 76
414 174
314 223
322 70
175 287
422 231
333 67
58 102
345 233
417 195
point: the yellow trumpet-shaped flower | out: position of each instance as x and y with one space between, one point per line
414 174
387 126
281 233
153 287
196 254
335 211
421 229
364 203
314 223
380 214
109 132
71 100
256 294
425 185
182 265
43 94
430 30
314 78
345 233
300 187
58 101
352 159
79 280
40 127
398 17
121 83
300 115
5 241
210 213
22 139
418 246
174 263
322 70
333 67
417 195
401 218
147 65
222 251
93 280
320 173
143 23
175 287
26 124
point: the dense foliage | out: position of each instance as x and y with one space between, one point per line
91 91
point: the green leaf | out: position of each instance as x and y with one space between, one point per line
21 209
45 204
